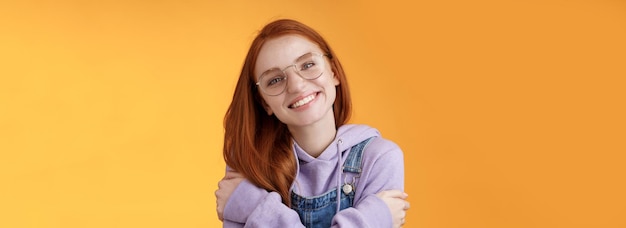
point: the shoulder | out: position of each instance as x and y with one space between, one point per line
382 166
381 147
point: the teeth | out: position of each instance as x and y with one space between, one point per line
304 101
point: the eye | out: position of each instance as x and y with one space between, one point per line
275 80
307 65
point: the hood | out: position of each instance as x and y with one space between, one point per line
317 174
347 136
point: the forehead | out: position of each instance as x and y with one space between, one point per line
282 51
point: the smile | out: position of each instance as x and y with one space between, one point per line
304 101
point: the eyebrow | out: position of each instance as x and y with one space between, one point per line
297 59
302 56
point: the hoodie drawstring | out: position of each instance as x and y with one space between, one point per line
339 170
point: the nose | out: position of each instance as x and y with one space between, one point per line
295 82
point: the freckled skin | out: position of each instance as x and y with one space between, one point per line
281 52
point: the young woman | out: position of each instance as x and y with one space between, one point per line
292 159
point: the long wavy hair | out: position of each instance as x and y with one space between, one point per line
258 145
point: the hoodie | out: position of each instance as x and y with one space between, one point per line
382 169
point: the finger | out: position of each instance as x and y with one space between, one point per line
233 174
407 205
225 183
220 212
220 216
218 194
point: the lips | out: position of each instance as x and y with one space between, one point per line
303 101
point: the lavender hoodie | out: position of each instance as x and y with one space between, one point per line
382 169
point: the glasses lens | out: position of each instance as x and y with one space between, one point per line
273 82
309 66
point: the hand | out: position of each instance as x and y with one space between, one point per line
226 187
396 201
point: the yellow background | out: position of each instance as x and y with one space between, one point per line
510 113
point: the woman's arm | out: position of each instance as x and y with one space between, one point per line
251 206
225 188
375 205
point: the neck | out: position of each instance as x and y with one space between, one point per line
315 138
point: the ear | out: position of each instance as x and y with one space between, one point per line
335 80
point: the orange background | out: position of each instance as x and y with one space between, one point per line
510 113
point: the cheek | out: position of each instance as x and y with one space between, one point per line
331 82
336 81
332 76
273 103
331 89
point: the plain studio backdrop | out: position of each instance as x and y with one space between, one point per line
510 113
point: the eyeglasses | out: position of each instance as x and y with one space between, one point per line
274 81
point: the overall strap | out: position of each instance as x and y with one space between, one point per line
352 167
355 157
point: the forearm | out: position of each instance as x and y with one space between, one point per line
370 212
384 171
251 206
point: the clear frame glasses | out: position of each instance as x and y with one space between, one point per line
310 66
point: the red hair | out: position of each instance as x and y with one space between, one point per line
258 145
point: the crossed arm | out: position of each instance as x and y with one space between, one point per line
381 204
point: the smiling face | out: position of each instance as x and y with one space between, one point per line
304 101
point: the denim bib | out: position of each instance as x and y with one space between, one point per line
318 211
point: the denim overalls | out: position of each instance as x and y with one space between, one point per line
318 211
